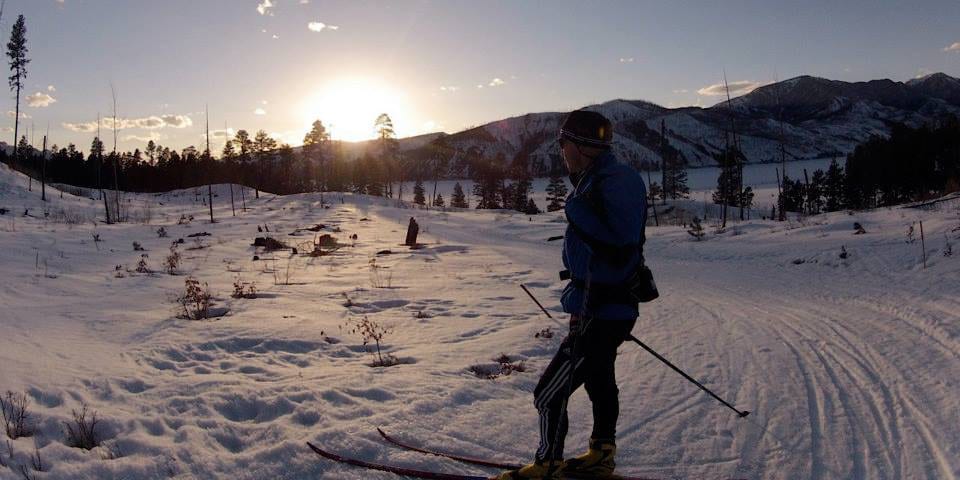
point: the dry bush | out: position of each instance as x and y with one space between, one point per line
379 278
142 266
243 289
172 262
82 431
196 300
161 232
371 331
503 366
15 408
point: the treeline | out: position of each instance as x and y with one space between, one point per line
911 164
262 163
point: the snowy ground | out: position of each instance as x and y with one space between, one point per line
849 365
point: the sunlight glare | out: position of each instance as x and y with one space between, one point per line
349 108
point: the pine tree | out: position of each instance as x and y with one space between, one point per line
17 52
314 146
389 147
531 207
833 187
459 199
264 150
556 193
696 229
438 201
419 195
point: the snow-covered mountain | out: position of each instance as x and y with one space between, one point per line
820 118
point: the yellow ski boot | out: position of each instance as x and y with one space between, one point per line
538 470
598 462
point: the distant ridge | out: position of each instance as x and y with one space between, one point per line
821 118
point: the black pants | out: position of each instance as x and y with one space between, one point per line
595 357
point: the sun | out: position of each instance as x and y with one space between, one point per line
349 107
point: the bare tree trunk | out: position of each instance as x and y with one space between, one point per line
653 201
16 130
116 156
43 171
210 159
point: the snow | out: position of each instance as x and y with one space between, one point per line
849 365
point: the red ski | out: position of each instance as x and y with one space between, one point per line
487 463
406 472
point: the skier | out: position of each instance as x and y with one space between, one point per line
606 214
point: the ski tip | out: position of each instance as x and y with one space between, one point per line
381 432
744 414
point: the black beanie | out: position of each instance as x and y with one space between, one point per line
587 128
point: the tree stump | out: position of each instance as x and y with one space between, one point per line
413 229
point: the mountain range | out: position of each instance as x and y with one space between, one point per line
814 117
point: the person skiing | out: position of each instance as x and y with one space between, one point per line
603 246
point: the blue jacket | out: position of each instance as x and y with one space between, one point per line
606 212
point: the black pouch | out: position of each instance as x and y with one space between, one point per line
641 285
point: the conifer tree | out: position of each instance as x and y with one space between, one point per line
833 187
17 53
314 146
264 149
459 200
438 201
556 193
419 196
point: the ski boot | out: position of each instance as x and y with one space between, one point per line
538 470
598 462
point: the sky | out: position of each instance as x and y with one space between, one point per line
278 65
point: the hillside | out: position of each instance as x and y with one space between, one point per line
820 119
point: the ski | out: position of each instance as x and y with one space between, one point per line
451 456
487 463
402 471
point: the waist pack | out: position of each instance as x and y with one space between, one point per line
638 288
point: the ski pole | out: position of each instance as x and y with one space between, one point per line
740 413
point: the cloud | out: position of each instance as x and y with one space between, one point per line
40 100
626 59
219 133
13 114
923 72
320 26
496 82
264 7
681 90
449 88
304 2
953 48
81 127
51 88
156 137
259 111
736 88
152 122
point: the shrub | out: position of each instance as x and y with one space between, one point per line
142 265
162 232
243 289
196 300
172 262
16 415
371 331
545 333
137 247
82 431
503 366
379 279
696 229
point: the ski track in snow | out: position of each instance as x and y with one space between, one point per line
849 366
